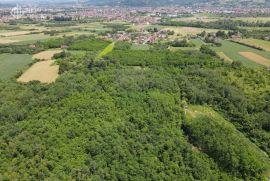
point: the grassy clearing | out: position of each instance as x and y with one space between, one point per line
45 72
140 47
232 50
224 57
23 38
12 64
184 31
107 50
253 19
46 55
13 33
256 42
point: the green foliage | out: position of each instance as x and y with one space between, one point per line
12 64
89 45
207 50
228 147
120 118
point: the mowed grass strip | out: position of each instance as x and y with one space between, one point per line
256 58
44 72
223 56
12 64
107 50
46 55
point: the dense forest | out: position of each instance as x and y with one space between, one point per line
124 117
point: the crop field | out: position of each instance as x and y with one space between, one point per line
46 55
197 18
253 19
11 64
13 33
23 38
188 30
256 58
256 42
107 50
44 71
232 50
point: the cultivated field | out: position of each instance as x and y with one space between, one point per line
232 50
46 55
265 45
11 64
188 30
23 38
44 71
256 58
13 33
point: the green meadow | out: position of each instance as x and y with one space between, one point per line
11 64
232 50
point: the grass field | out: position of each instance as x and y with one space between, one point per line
232 50
44 71
256 42
23 38
140 47
253 19
107 50
256 58
11 64
13 33
46 55
187 30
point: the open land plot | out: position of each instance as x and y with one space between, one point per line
13 33
107 50
46 55
23 38
232 50
197 18
256 58
11 64
44 71
188 30
140 47
255 42
253 19
224 57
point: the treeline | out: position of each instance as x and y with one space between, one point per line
219 24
